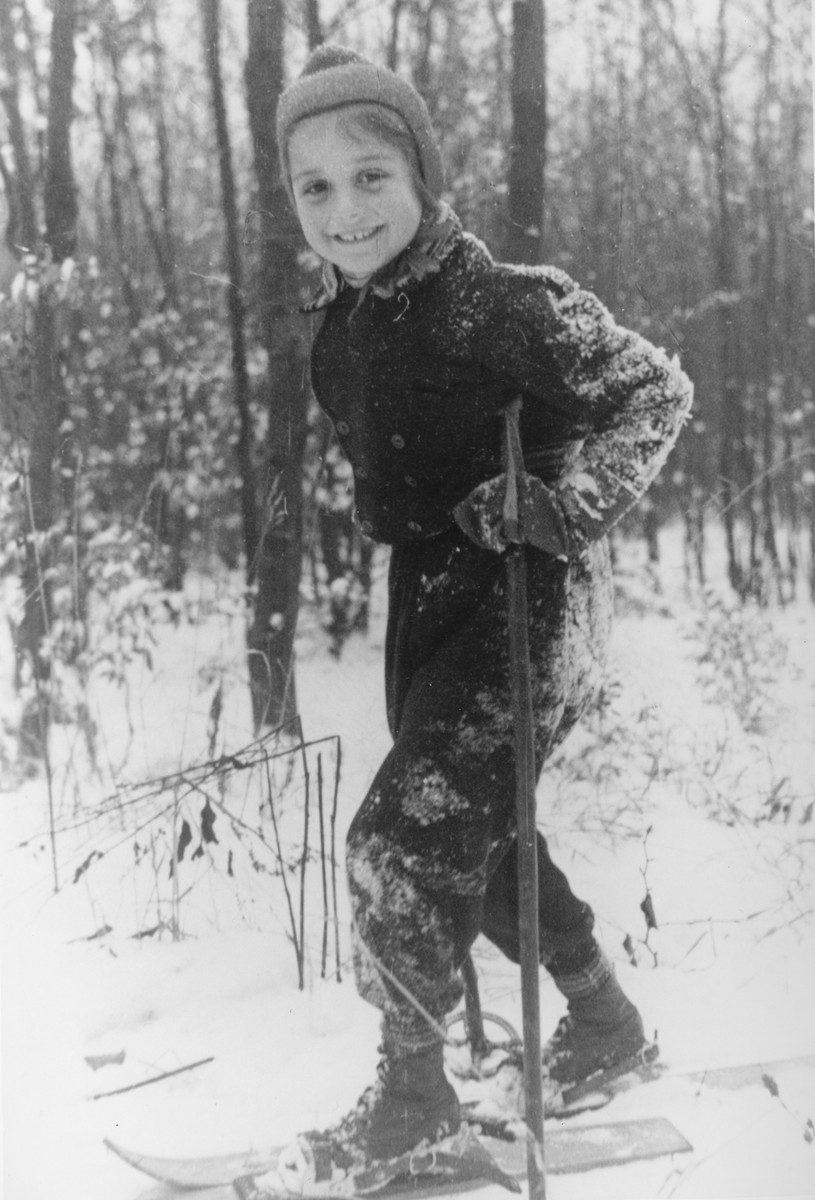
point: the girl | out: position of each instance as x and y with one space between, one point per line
424 341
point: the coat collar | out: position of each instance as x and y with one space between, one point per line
436 238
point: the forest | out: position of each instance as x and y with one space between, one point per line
156 413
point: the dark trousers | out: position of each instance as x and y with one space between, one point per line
431 854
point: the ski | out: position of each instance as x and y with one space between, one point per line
495 1114
568 1148
450 1162
255 1175
495 1108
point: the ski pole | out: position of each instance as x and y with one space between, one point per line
525 778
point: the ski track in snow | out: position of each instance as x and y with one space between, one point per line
734 899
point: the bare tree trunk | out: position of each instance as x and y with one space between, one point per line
283 331
41 434
528 152
35 71
393 40
695 535
650 520
21 232
60 190
210 10
117 220
164 170
315 27
769 287
732 447
60 208
164 262
421 68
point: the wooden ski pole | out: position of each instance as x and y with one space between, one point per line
525 778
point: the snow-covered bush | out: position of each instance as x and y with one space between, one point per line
740 658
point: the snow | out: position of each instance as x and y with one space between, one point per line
693 785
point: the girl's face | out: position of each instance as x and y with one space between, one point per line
355 195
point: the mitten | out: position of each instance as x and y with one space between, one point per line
592 501
482 516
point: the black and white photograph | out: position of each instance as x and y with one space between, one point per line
407 599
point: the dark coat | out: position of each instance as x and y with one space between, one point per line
415 385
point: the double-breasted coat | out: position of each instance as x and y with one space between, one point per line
415 379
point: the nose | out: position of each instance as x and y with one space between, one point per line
347 205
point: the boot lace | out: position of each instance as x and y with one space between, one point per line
348 1135
558 1049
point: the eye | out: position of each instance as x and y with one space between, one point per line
315 189
372 177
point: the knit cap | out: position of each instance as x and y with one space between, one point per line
335 76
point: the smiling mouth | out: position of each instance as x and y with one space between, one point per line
363 235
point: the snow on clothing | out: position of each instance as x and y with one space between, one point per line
415 377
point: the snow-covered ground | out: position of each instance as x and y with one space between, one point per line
692 784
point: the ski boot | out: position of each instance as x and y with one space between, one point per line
600 1037
411 1105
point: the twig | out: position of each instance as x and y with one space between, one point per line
303 862
175 901
807 1127
131 1087
785 924
334 858
647 904
283 875
213 766
43 718
324 953
807 452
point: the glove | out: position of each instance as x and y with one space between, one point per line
481 515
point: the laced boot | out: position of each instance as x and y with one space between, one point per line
601 1029
411 1101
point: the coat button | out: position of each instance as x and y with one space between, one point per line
361 473
366 527
398 442
414 527
410 481
342 428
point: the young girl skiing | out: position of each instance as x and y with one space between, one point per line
424 342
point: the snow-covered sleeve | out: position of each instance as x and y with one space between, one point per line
584 379
636 400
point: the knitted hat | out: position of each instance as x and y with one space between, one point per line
334 76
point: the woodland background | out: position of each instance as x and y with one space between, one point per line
155 412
